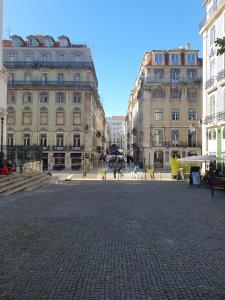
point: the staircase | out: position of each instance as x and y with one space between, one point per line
17 182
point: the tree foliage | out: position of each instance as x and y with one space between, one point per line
221 44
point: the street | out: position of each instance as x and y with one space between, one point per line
113 240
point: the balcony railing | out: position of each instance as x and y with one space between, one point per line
48 64
179 144
52 84
209 83
213 118
210 13
221 75
63 148
181 80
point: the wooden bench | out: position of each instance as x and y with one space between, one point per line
216 183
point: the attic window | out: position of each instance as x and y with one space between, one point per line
32 42
63 43
17 42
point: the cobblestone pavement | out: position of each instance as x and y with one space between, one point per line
118 240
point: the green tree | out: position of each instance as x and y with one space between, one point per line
221 44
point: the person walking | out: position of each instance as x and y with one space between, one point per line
136 172
114 171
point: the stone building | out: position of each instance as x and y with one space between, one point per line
53 99
117 132
3 86
211 28
164 109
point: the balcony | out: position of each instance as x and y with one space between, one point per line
181 80
63 148
221 75
176 145
213 10
48 64
214 118
209 83
52 84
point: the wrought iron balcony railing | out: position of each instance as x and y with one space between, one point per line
215 7
52 84
169 144
213 118
221 75
210 82
48 64
181 80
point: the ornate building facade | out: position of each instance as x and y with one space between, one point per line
53 99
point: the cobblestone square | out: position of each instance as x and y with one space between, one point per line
113 240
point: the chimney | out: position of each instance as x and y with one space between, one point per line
188 46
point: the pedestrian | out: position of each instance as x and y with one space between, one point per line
136 172
114 171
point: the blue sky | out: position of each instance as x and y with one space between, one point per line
117 31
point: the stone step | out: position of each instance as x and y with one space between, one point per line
38 183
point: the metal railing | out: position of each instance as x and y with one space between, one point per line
210 13
221 75
181 80
63 148
48 64
52 84
22 154
169 144
213 118
210 82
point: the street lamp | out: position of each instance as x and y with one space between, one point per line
2 115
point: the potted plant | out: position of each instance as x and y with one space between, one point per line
150 172
102 172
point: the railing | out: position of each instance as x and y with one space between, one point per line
22 154
63 148
210 13
48 64
179 144
213 118
181 80
209 82
52 84
221 75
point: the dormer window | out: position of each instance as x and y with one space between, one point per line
17 42
175 58
32 42
191 58
158 57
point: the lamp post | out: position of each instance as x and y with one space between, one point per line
1 145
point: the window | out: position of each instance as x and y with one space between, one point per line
11 116
76 140
27 78
158 137
32 42
175 74
212 68
158 57
27 117
175 137
60 98
175 58
60 77
12 57
77 77
60 117
192 93
159 74
76 117
43 139
10 139
43 117
77 57
27 98
88 76
158 114
212 105
191 114
212 35
76 97
12 77
192 137
11 97
26 139
44 78
191 58
61 58
175 114
175 93
158 93
59 139
28 58
43 97
212 134
191 74
45 57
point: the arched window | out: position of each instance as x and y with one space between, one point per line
43 116
76 116
27 116
11 116
60 116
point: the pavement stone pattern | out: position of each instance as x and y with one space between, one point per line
113 240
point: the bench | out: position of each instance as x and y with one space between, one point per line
216 183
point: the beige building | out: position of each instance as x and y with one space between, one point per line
211 28
164 109
117 132
53 99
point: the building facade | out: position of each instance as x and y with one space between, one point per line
53 99
117 132
213 130
164 108
3 85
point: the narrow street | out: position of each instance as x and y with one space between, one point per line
113 240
